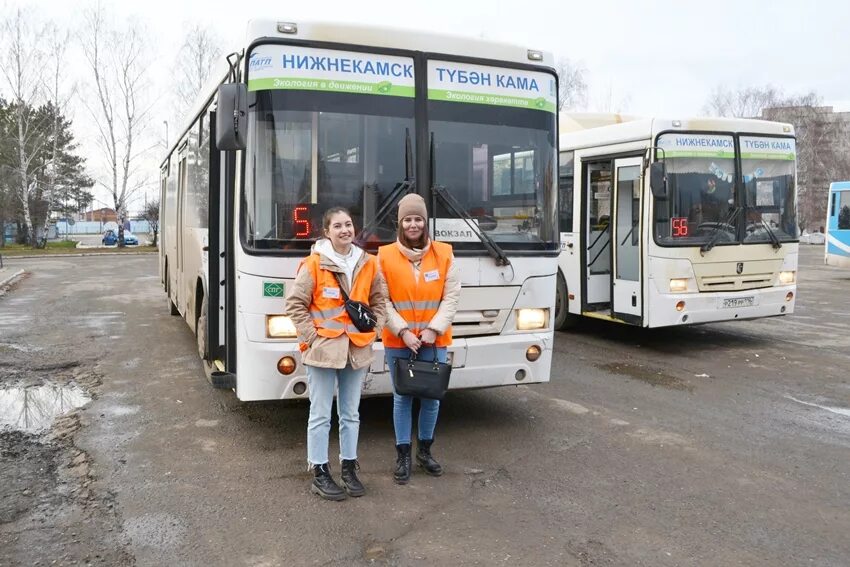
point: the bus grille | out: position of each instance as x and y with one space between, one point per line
471 323
733 283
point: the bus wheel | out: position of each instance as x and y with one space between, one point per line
563 318
201 330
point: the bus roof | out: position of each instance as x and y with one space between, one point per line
623 128
398 38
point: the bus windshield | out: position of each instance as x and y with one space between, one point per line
701 189
767 165
500 164
309 151
703 204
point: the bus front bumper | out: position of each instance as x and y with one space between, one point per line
719 306
477 362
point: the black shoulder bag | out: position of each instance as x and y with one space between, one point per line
360 314
421 378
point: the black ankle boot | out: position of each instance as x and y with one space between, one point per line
402 464
353 486
425 460
324 485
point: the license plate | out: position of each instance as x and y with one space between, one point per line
735 302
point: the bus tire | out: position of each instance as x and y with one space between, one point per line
201 330
563 318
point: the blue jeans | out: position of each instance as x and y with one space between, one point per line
403 405
322 382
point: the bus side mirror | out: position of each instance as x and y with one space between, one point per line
231 122
658 179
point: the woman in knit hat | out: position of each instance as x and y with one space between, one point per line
423 288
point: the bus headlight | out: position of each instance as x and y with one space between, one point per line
529 319
280 327
678 285
787 277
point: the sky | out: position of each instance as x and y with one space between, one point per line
648 57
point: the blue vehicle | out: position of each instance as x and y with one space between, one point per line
110 238
837 251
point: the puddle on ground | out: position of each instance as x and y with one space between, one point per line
646 374
34 408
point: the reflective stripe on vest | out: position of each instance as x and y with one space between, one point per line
417 301
328 313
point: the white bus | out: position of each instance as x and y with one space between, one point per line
676 222
837 248
310 115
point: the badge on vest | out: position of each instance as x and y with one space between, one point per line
432 276
331 292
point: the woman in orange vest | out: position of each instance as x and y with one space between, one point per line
335 352
422 294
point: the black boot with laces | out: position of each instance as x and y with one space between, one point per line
324 484
401 475
425 460
353 486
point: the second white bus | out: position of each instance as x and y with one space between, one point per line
676 222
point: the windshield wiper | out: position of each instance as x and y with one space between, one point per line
772 235
400 190
452 205
729 220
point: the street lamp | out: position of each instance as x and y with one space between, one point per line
166 133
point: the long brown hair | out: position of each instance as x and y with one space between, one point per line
407 243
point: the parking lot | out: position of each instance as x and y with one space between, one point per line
721 444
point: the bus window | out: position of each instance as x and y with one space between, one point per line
565 191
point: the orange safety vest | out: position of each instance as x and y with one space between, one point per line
416 301
328 306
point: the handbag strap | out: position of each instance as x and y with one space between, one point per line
342 289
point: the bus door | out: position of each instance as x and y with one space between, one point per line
597 237
179 278
626 288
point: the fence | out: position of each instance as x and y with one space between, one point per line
96 227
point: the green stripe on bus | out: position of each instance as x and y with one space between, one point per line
385 88
539 103
759 155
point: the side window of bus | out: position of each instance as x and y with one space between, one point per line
198 174
565 191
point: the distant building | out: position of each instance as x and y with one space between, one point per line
104 214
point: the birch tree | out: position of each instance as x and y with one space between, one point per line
58 97
21 63
117 61
195 61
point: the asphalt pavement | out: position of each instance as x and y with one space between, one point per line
721 444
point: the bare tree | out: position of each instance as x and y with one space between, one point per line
572 87
151 215
117 61
194 63
20 67
742 103
59 97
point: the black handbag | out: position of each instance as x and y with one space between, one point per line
421 378
360 314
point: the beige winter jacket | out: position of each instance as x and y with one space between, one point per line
442 320
332 352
